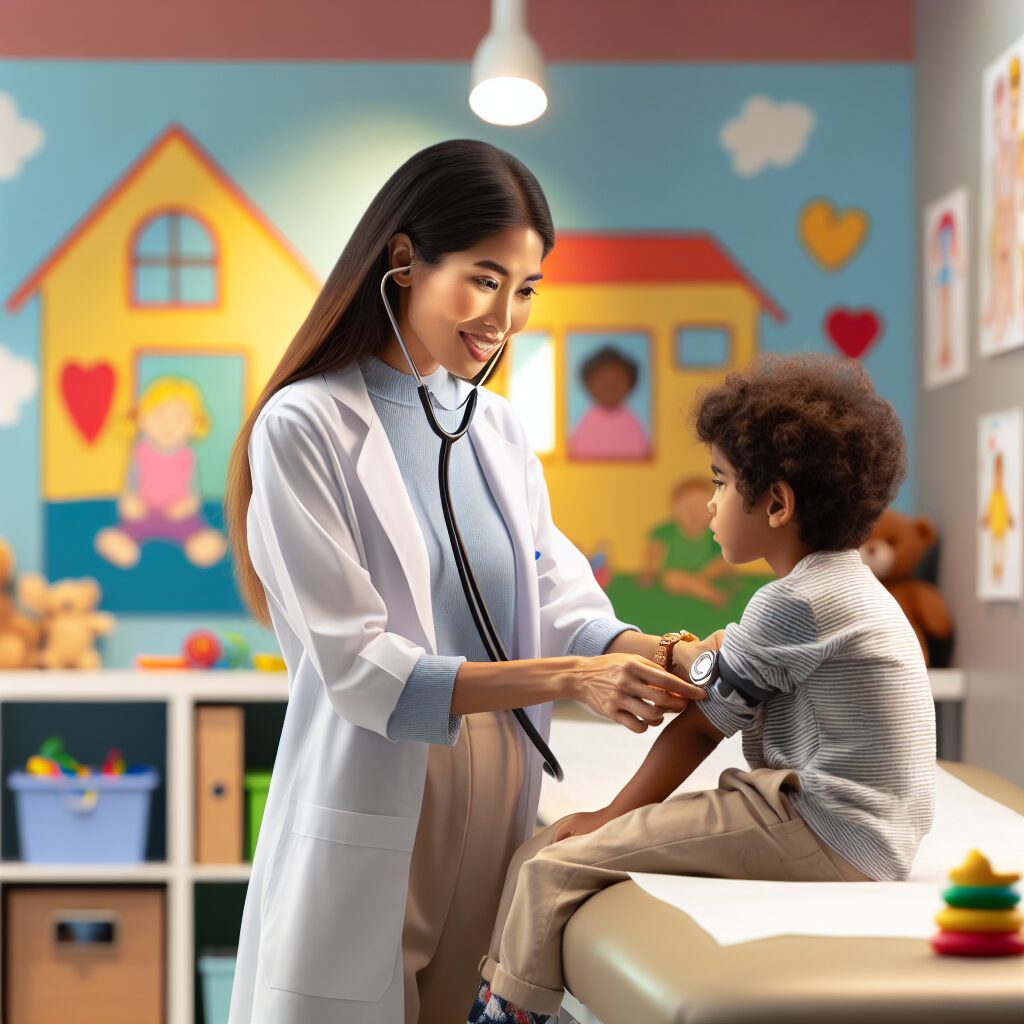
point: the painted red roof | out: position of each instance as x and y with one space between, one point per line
30 285
583 258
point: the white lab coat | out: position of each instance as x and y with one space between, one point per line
335 540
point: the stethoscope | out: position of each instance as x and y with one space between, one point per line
474 598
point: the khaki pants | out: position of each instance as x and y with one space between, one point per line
746 828
469 829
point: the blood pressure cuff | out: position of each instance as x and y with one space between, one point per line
731 686
733 701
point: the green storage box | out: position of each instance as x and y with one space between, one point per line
256 786
217 972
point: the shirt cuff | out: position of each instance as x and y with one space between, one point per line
593 638
423 711
724 713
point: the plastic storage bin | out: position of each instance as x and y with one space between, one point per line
101 819
256 786
216 972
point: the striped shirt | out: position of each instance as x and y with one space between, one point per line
824 675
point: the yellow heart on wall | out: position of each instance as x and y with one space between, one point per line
832 236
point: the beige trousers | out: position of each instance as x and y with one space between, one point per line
468 831
746 828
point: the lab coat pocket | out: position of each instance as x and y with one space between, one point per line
335 920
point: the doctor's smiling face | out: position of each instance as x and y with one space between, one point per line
458 312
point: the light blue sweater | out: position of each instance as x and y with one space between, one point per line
422 712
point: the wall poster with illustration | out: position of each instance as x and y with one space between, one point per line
1000 440
1001 232
946 264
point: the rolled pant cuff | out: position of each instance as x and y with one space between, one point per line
522 993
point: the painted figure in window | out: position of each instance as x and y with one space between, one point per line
160 499
609 429
998 519
682 555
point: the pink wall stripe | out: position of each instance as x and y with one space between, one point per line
567 30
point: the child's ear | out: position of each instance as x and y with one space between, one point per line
781 504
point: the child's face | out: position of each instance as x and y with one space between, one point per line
170 424
609 385
744 536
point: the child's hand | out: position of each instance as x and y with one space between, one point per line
582 823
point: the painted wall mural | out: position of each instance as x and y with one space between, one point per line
152 282
165 308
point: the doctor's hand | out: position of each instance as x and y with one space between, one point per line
630 689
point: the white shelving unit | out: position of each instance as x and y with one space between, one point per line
180 692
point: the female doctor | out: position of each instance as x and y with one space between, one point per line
402 784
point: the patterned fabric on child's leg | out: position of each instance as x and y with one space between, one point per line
501 1011
483 994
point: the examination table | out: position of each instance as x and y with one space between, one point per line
631 959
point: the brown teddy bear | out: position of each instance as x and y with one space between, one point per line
894 550
67 611
19 636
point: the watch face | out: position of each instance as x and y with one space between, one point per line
704 669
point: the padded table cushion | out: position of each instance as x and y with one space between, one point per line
632 959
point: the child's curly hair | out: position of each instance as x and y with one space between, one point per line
815 422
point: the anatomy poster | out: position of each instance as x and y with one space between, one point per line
946 263
1002 195
999 505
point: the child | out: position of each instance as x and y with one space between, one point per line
681 552
823 675
160 500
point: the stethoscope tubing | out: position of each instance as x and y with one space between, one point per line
474 597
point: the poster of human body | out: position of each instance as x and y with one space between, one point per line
945 256
1000 437
1002 205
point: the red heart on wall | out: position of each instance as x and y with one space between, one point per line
852 331
87 394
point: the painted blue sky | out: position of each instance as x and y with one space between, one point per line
622 147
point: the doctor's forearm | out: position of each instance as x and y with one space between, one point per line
632 642
495 686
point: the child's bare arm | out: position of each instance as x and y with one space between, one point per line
682 745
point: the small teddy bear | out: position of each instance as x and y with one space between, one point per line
19 636
896 546
67 612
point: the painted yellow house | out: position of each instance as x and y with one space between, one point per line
173 261
686 312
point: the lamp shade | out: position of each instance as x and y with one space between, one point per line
508 70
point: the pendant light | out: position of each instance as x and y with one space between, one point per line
508 69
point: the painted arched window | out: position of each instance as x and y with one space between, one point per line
174 262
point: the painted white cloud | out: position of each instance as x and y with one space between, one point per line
18 383
766 134
19 138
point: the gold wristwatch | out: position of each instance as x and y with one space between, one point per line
663 652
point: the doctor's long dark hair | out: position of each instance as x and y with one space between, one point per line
446 198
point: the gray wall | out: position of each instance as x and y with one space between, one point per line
955 40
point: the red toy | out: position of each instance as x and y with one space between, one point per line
202 649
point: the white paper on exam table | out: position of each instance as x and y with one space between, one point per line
733 911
